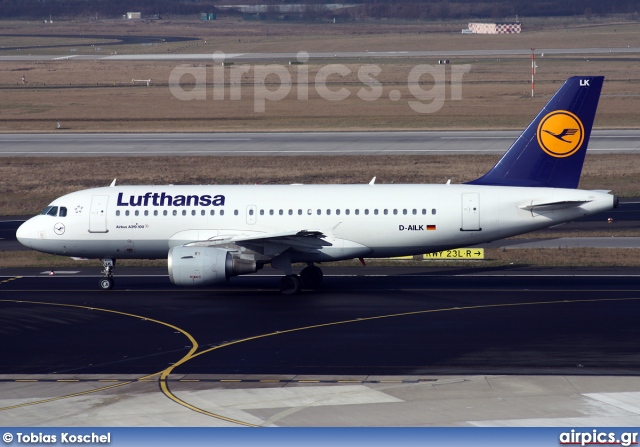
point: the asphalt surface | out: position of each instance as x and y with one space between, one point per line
329 55
395 321
372 347
294 144
94 40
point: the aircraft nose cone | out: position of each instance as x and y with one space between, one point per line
23 234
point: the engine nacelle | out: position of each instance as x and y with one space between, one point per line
201 266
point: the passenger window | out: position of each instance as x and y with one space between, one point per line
309 212
270 212
319 212
395 211
193 212
137 213
404 211
146 212
328 212
203 212
386 212
155 212
235 212
126 213
117 212
375 212
346 212
262 212
290 212
366 211
184 212
222 212
424 211
175 212
433 211
357 212
281 212
299 212
415 211
250 212
212 212
164 212
337 212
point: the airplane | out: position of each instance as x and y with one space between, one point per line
210 233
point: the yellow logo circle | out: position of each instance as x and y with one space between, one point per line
560 133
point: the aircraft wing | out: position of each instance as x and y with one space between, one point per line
297 240
271 244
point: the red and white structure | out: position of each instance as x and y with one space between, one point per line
496 28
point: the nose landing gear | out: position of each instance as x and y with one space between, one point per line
107 282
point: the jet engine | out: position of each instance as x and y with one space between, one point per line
202 266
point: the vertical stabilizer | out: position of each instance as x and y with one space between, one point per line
551 150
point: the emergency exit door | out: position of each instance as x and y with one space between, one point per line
471 212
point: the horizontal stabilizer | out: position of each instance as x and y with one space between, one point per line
556 205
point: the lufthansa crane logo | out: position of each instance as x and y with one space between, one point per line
59 228
560 134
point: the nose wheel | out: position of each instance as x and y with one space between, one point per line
107 282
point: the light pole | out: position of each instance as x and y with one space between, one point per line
533 68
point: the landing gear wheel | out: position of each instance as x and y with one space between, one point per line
106 283
311 276
290 285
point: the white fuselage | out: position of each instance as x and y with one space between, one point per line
126 222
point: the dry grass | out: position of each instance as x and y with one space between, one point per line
98 96
238 36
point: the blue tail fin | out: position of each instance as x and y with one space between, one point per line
550 152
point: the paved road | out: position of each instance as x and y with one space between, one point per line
327 55
410 346
297 143
482 330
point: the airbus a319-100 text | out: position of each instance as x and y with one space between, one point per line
210 233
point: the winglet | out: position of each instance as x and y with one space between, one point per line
113 183
551 150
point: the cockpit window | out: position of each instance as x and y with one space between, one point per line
50 211
63 212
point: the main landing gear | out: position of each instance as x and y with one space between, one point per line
106 283
310 277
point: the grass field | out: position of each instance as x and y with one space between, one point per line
89 96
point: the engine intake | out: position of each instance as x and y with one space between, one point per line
202 266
